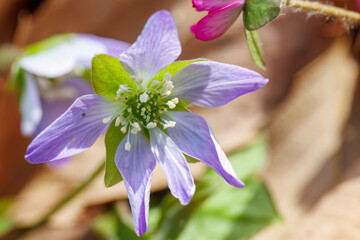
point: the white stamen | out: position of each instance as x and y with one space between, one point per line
151 125
144 97
123 129
168 85
122 88
175 100
117 121
171 104
134 131
127 146
129 110
106 120
166 94
167 76
136 126
169 124
156 82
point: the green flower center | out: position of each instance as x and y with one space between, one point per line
144 108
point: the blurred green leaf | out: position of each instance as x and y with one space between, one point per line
219 210
257 13
111 227
254 45
246 162
6 223
47 43
108 74
112 140
232 213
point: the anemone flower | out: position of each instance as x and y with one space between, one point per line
52 78
222 14
148 111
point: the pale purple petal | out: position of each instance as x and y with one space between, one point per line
59 163
217 22
113 47
157 47
174 165
212 84
85 49
30 106
74 131
53 108
194 137
136 167
52 63
212 5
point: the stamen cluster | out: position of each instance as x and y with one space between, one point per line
144 107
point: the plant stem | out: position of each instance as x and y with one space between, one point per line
20 232
323 9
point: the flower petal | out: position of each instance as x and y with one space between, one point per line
113 47
212 84
217 22
194 137
212 5
62 98
85 49
51 63
30 107
74 131
136 167
156 47
174 165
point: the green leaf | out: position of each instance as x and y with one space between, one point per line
6 223
47 43
112 140
219 210
247 162
111 227
254 45
257 13
231 213
108 74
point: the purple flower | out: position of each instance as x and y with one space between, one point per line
52 80
222 14
148 113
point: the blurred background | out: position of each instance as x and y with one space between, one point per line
295 143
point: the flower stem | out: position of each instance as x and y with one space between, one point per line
20 232
324 9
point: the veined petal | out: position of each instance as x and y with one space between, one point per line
56 101
113 47
174 165
74 131
217 22
212 84
136 167
212 5
194 137
156 47
52 63
30 107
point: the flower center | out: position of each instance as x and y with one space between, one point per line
144 108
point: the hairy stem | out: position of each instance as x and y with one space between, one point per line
324 9
18 233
